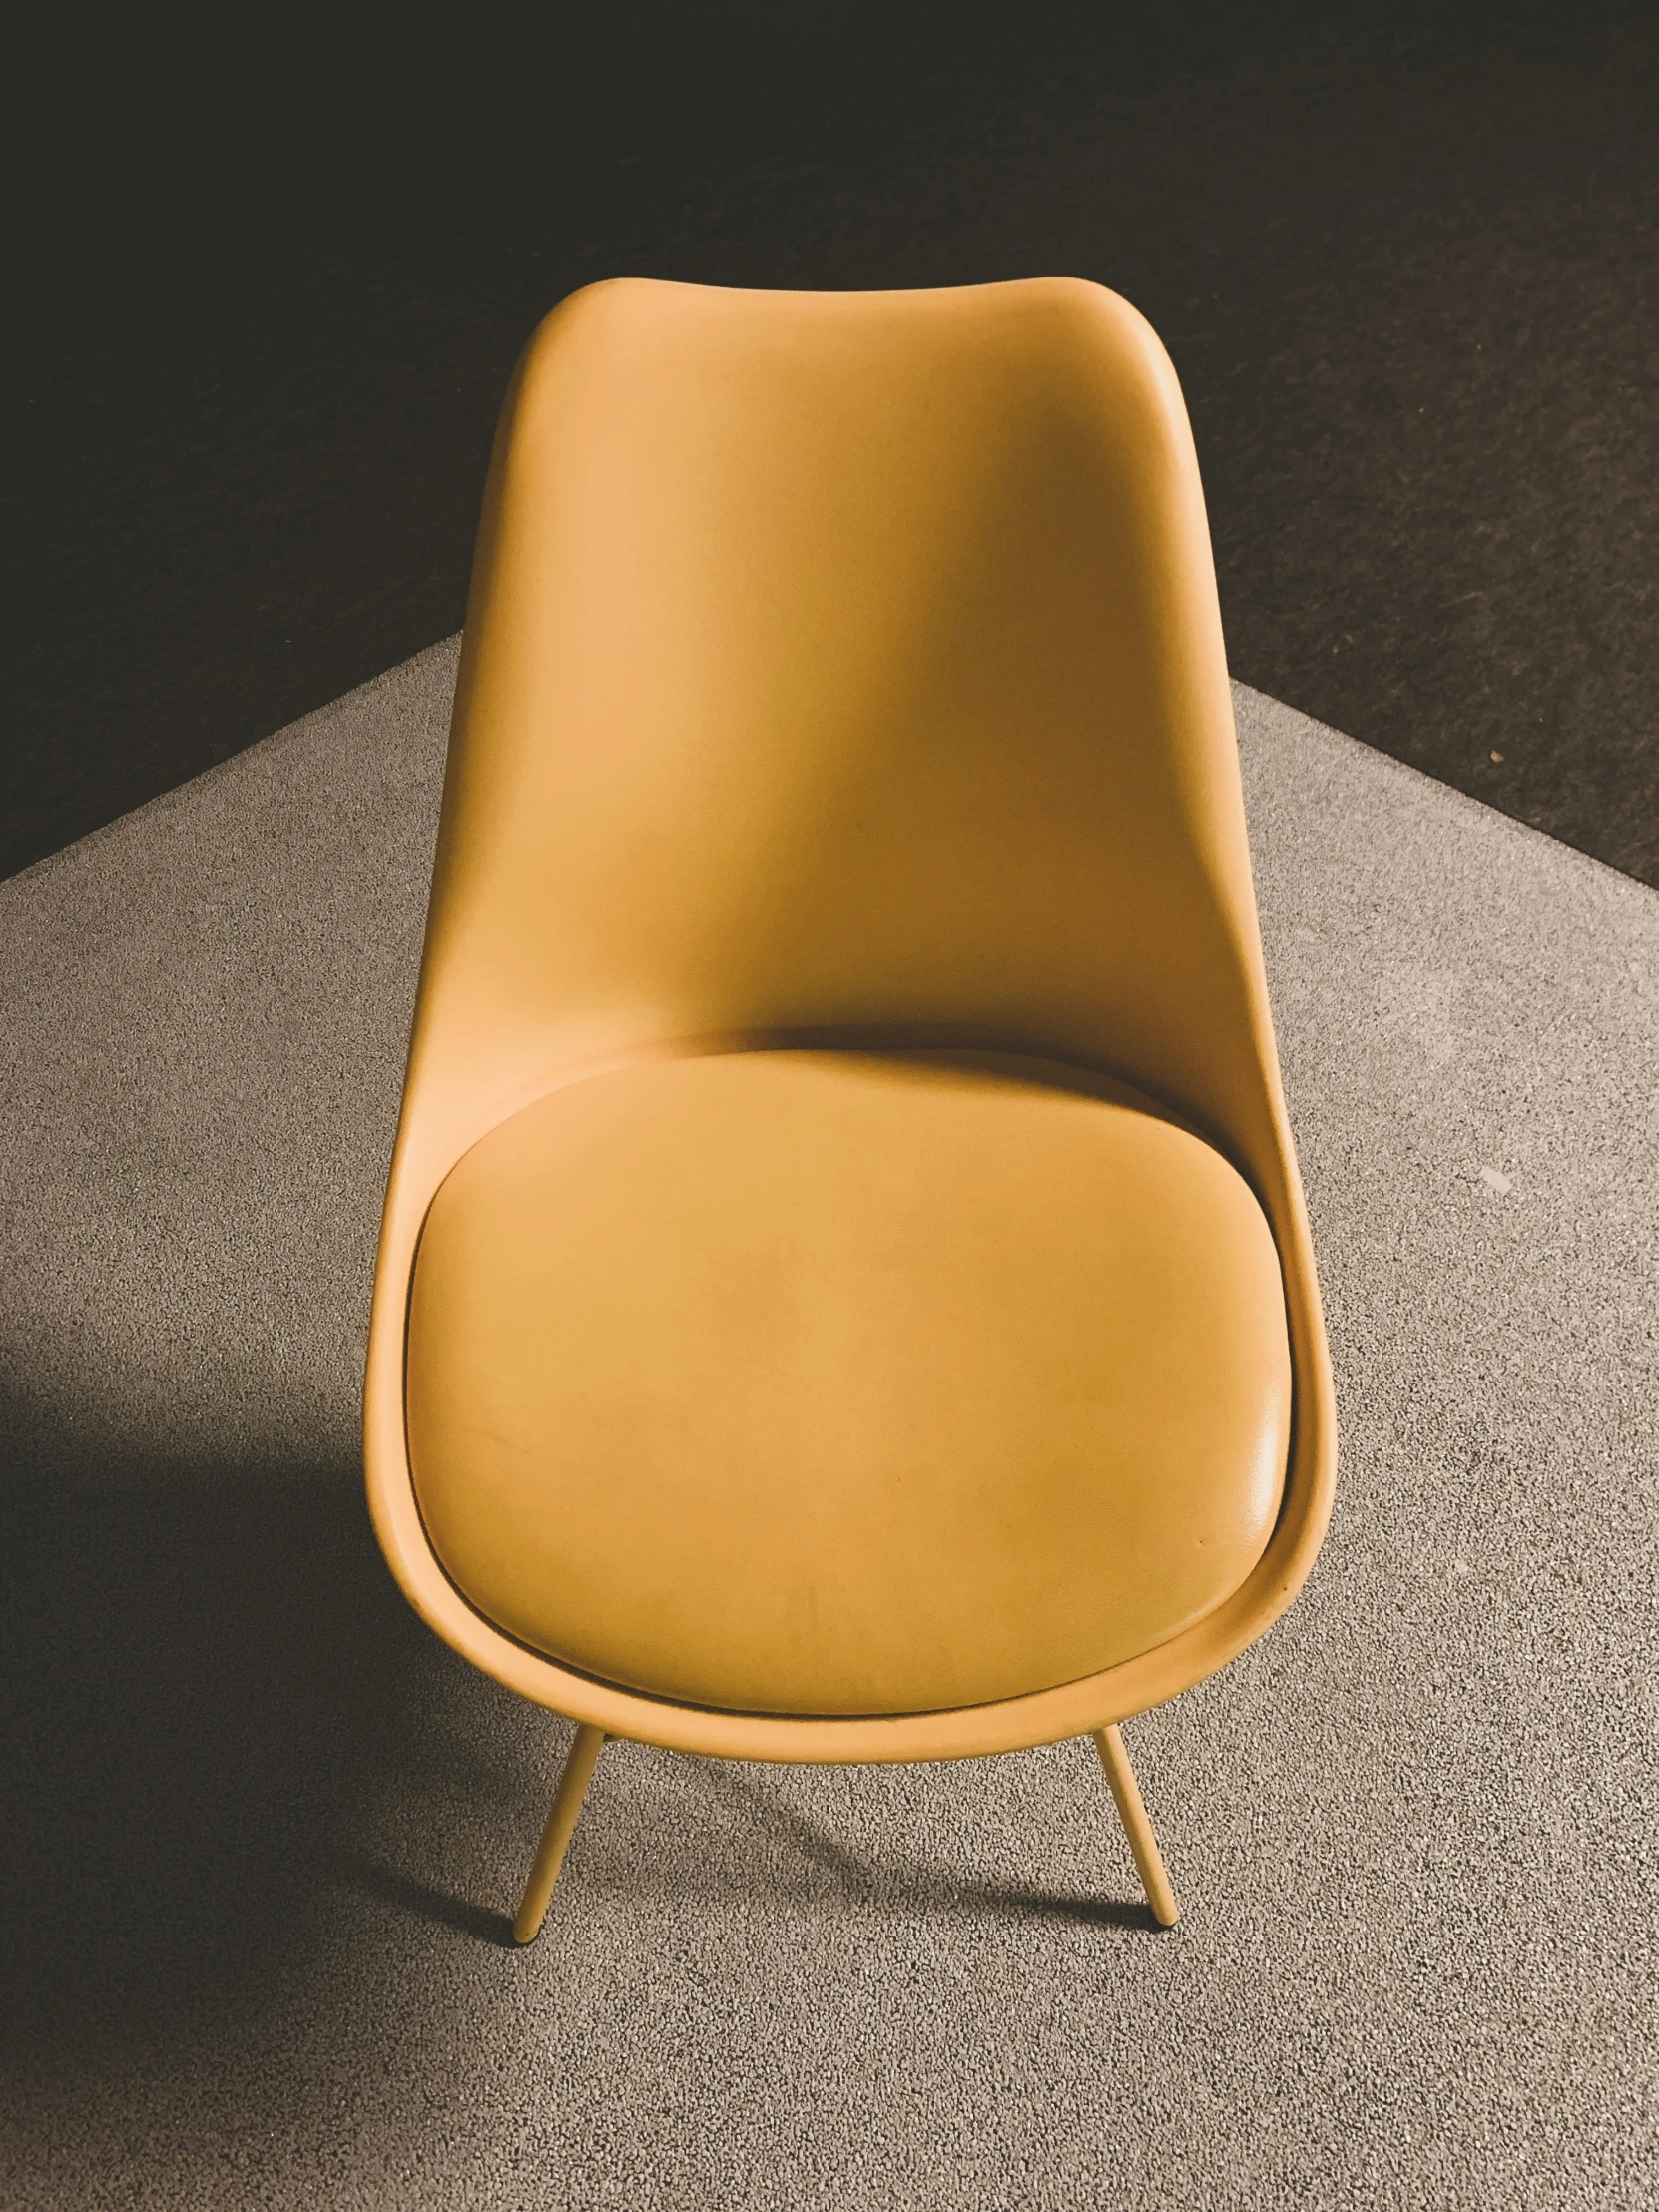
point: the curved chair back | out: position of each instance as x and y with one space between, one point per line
846 665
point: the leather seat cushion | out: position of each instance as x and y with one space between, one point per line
803 1381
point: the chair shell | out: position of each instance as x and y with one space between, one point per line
845 669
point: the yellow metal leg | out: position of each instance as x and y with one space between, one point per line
555 1836
1126 1796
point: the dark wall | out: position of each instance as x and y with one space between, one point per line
268 270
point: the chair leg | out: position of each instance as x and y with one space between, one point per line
1126 1796
555 1836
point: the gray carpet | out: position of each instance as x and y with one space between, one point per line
261 1829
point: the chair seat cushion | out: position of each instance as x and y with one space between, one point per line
828 1382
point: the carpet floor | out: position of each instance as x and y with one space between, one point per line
263 1829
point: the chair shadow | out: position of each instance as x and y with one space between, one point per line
1054 1904
425 1903
700 1866
860 1881
211 1685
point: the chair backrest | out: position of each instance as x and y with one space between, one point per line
845 663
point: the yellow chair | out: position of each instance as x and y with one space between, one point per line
845 1293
